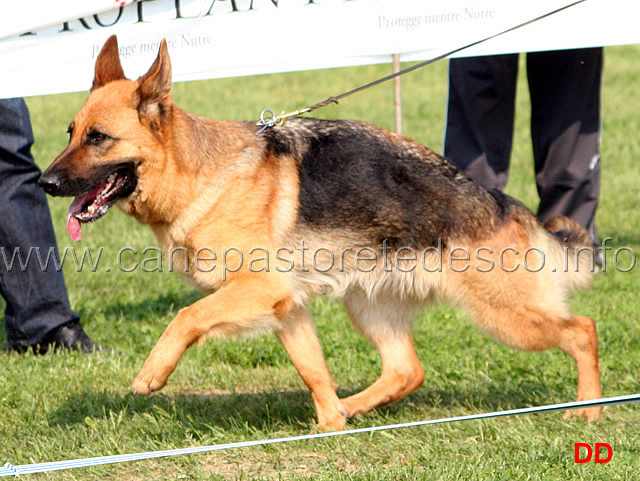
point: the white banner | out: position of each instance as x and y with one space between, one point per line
50 47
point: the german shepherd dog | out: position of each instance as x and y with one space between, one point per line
386 224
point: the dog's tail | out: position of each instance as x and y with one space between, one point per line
574 251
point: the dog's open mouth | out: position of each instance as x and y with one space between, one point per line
94 204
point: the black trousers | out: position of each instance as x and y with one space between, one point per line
36 297
564 86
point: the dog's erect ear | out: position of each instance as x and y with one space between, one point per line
108 67
155 87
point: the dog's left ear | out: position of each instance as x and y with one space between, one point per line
154 90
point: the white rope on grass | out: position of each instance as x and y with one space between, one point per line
10 470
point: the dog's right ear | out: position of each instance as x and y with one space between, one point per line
108 67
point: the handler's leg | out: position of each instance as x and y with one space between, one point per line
480 113
566 130
38 310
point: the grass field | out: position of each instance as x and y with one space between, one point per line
68 405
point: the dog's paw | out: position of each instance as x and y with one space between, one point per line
333 423
334 419
350 407
591 414
145 384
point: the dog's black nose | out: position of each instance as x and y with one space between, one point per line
50 183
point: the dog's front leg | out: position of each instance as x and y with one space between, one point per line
298 336
246 304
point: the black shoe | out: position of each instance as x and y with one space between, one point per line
69 336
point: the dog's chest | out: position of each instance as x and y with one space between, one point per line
198 265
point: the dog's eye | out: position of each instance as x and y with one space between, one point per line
96 137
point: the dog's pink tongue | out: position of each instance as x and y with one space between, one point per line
73 224
73 228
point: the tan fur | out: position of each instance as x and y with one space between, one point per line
207 184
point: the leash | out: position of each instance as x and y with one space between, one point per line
10 470
268 119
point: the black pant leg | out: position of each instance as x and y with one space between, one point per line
566 129
36 298
480 116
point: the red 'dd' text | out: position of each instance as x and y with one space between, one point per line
584 452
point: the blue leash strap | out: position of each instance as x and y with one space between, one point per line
10 470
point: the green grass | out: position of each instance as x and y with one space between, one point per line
66 406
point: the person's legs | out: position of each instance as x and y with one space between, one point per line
566 130
480 113
38 309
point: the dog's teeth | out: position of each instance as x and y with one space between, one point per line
109 185
110 181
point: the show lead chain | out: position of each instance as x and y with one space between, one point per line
10 470
268 119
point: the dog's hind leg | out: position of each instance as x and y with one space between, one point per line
533 329
579 339
298 336
387 324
